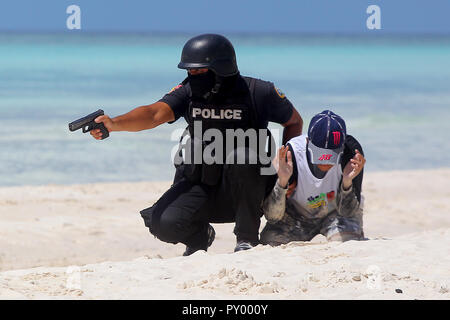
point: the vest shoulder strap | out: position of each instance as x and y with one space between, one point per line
251 82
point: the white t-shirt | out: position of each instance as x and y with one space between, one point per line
313 197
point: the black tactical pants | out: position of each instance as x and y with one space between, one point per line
183 213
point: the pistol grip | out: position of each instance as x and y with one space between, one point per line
103 130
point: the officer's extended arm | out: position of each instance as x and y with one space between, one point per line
141 118
293 127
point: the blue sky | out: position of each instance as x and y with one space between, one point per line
240 16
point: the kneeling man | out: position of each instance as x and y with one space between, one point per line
319 186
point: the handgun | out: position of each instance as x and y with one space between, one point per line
88 124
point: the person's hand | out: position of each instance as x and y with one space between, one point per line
352 169
107 122
283 165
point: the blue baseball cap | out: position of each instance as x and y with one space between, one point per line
326 134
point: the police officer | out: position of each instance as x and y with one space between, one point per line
213 96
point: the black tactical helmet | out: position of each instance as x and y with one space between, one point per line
211 51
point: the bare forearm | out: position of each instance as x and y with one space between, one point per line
136 120
144 117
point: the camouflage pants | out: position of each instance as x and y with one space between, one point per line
333 226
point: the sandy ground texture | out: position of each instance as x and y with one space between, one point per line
93 228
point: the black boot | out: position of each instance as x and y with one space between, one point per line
211 236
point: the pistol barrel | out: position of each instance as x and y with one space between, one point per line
77 124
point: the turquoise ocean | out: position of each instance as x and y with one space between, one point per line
393 92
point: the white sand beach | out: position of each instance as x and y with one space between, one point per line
97 228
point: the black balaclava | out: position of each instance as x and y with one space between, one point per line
207 85
202 83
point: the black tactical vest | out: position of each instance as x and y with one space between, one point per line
235 111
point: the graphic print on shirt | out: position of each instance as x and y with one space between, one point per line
320 200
